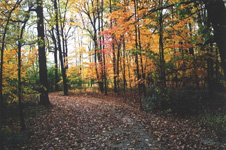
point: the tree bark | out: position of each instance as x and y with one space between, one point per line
136 55
55 60
210 72
60 51
22 124
113 51
217 16
44 99
100 48
141 63
161 51
124 65
104 61
117 67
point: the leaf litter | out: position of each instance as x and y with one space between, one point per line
89 122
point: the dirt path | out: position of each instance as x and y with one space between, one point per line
75 122
87 122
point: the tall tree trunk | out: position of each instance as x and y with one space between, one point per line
114 68
217 67
60 51
100 47
22 124
95 41
124 56
128 66
210 72
113 51
217 16
96 53
136 56
191 52
117 67
2 61
104 61
55 60
62 26
141 63
66 51
44 99
161 51
124 65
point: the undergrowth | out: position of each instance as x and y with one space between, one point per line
190 102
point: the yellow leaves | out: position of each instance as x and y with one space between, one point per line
16 10
194 9
173 1
29 58
10 74
10 70
75 24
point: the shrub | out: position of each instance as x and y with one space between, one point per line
51 79
187 101
218 124
156 100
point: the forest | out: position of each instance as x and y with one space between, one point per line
113 74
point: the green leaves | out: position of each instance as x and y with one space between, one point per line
41 41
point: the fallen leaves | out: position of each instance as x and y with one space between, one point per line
89 122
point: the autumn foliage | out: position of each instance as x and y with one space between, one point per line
162 56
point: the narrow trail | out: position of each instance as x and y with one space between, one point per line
83 122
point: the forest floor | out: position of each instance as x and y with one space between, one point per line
94 121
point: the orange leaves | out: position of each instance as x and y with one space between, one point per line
177 54
183 46
137 33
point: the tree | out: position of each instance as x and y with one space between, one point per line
55 58
44 98
19 70
8 17
63 69
217 16
161 50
